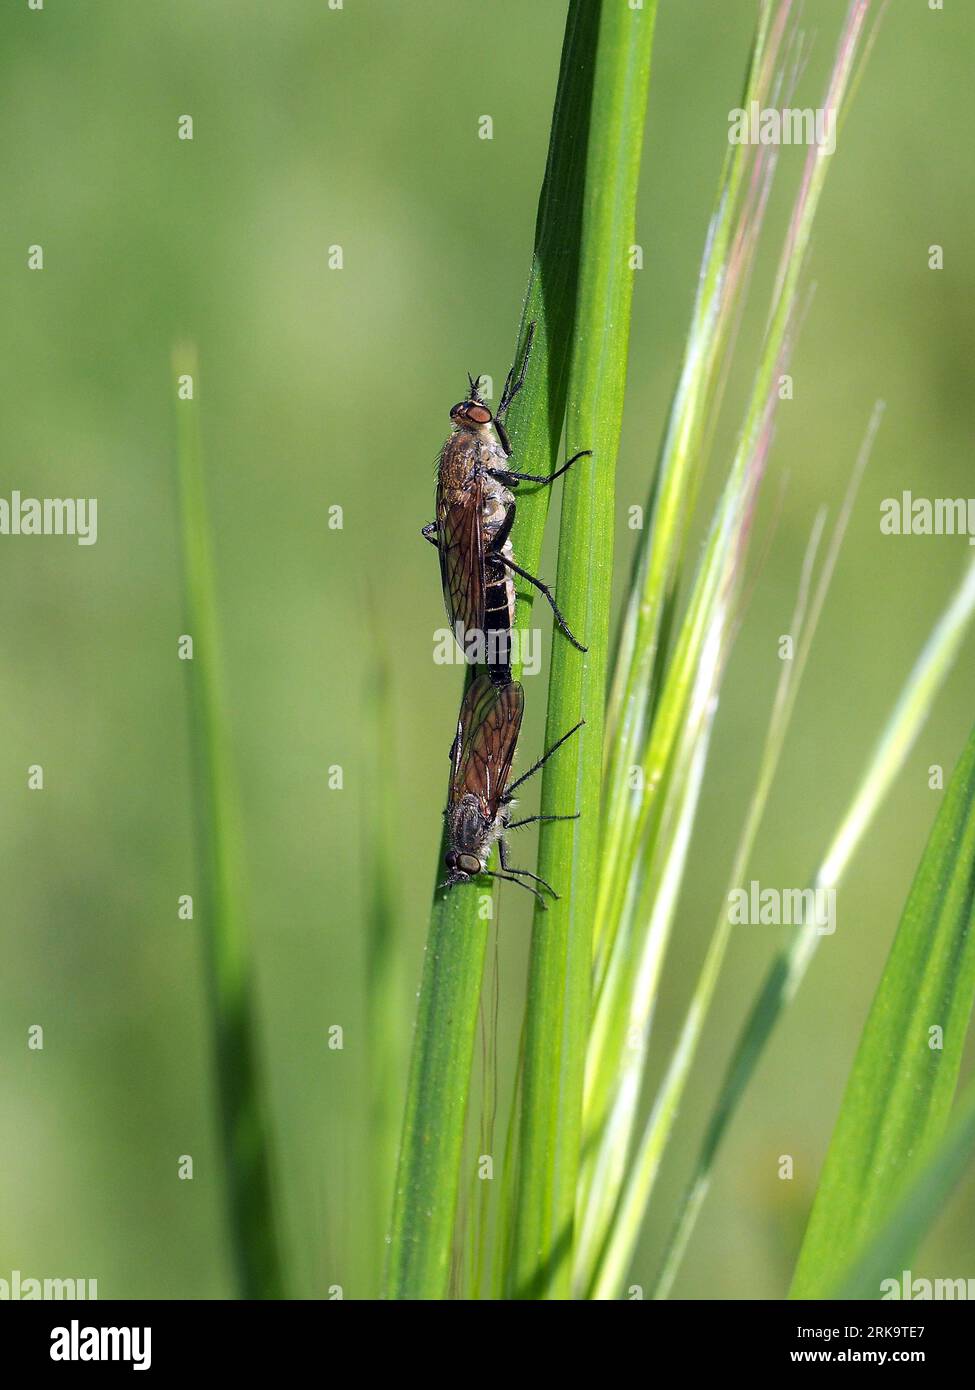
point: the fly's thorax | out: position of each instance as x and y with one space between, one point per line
459 462
469 831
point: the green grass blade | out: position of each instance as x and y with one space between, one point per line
901 1087
894 1244
384 992
729 251
559 973
623 1231
437 1092
219 906
644 1166
425 1199
788 969
639 890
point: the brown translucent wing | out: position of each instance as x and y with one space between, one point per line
487 732
462 555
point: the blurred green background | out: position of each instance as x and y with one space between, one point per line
319 387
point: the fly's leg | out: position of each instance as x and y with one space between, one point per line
544 589
530 820
511 389
512 386
504 475
429 533
503 531
493 873
541 762
456 743
523 873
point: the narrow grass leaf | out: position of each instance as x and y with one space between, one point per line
904 1075
425 1198
641 893
383 951
220 909
891 1248
561 953
642 1172
729 252
789 968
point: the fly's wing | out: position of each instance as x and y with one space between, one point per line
462 554
487 732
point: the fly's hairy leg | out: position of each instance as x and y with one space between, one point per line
541 763
544 589
509 479
530 820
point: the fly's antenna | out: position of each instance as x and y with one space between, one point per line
475 385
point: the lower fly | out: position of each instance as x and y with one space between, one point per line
478 810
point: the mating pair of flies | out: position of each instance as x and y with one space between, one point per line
472 534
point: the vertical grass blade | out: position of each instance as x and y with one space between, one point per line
244 1122
436 1100
789 968
559 973
385 1022
904 1075
425 1199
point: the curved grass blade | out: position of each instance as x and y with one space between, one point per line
894 1244
245 1127
557 1015
619 1236
628 1218
789 968
904 1075
640 891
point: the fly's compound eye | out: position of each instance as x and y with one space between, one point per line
471 413
450 859
468 864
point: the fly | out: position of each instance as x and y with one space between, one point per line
479 807
475 514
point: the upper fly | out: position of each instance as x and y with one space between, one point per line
475 514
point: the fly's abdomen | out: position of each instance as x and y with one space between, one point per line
499 617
